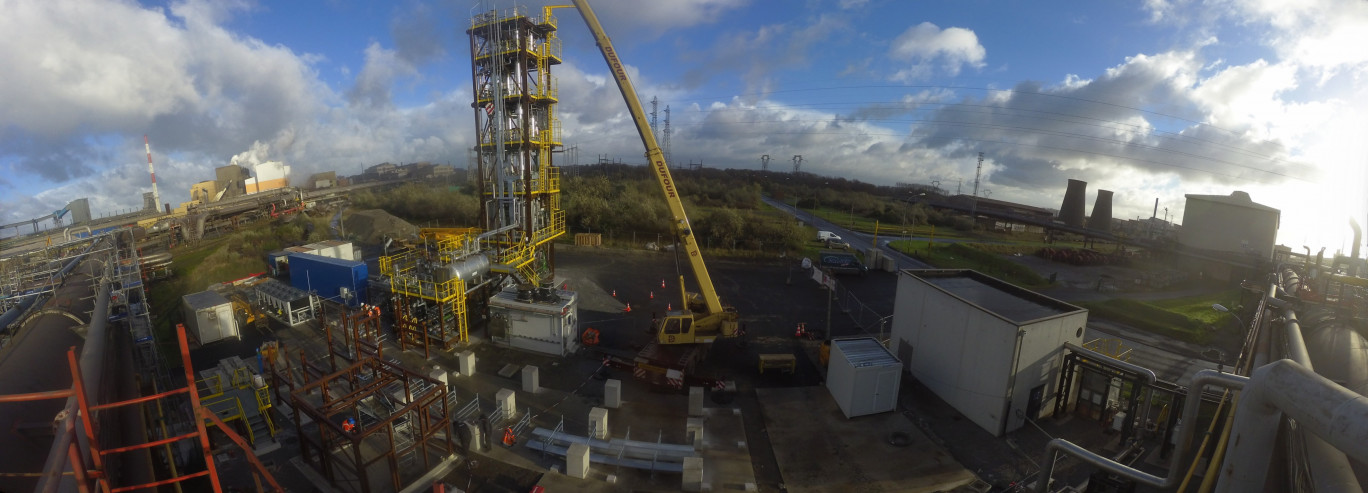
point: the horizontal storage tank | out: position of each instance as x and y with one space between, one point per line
863 376
339 280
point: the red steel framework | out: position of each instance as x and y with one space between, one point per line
86 458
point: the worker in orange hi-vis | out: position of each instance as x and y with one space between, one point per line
349 425
508 438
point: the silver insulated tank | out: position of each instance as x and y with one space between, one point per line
468 267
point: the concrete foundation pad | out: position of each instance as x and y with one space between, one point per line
801 420
577 461
465 363
531 379
508 400
598 423
692 478
612 393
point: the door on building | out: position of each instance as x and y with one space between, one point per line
1034 402
885 391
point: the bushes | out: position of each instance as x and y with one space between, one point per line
422 202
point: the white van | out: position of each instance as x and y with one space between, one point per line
827 236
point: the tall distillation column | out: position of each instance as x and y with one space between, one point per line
517 131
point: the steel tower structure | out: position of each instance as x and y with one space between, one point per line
517 131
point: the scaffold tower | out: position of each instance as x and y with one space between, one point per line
517 131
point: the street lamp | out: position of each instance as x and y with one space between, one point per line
1221 308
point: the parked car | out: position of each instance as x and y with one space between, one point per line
842 263
838 243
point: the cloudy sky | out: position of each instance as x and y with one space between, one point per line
1152 99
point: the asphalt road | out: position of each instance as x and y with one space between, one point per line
859 241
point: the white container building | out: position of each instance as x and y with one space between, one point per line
209 316
543 321
863 377
991 349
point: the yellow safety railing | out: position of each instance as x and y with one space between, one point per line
228 409
242 377
211 387
551 49
263 398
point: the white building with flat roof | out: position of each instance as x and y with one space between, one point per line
991 349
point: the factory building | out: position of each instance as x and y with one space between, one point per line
992 350
80 211
270 175
1225 224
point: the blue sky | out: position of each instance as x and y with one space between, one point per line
1150 99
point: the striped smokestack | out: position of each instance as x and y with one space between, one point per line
1075 199
156 199
1101 217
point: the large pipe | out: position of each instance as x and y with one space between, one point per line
1337 415
92 366
13 314
1296 344
1175 471
1144 372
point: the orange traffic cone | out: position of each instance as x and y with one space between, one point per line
652 294
667 306
662 284
615 293
628 309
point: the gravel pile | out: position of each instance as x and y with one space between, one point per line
372 226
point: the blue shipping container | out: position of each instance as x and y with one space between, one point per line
329 276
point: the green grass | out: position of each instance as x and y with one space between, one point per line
1199 307
972 256
1152 318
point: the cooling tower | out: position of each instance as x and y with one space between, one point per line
1102 212
1075 199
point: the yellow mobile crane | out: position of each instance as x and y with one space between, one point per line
702 318
680 326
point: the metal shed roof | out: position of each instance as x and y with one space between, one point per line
1007 301
865 352
205 299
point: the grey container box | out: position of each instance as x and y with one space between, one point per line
863 377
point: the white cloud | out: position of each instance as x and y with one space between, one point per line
85 80
926 44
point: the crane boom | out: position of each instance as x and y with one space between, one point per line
719 320
655 156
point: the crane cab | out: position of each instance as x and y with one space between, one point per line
678 328
684 327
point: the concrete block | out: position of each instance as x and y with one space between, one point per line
577 461
695 401
693 431
692 479
612 393
598 423
611 479
752 487
439 375
507 400
531 379
465 363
